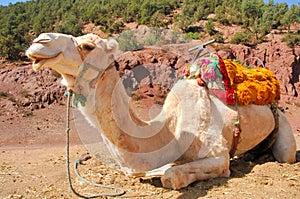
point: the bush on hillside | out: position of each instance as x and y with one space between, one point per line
292 39
193 35
242 37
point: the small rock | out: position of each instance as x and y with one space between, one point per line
27 113
35 107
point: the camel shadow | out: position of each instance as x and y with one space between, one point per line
239 168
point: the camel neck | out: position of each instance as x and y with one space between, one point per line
117 119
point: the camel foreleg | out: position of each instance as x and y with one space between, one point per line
182 175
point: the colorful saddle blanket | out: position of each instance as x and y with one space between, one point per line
233 83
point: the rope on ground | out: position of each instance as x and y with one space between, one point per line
80 160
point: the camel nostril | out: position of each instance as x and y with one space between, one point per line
41 41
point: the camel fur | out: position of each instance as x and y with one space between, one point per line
188 141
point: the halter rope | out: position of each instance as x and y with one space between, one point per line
80 160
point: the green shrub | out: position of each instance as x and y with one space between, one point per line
193 35
242 37
218 37
128 41
210 27
292 39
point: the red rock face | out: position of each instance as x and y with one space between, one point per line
148 75
21 88
275 55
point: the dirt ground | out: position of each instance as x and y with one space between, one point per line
32 160
32 165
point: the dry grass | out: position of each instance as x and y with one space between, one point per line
25 93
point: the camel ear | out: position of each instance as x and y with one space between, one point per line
112 45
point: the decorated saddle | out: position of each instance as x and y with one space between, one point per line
233 83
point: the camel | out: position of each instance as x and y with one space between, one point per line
189 140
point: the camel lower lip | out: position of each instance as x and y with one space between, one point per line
38 60
38 63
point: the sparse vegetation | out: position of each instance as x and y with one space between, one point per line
21 22
193 35
218 37
210 27
25 93
128 41
292 39
242 37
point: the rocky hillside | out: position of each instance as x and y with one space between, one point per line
23 90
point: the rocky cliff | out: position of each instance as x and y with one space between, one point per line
23 90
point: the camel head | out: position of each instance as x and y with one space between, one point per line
67 54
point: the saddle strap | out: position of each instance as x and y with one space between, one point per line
235 140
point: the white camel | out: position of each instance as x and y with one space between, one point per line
192 135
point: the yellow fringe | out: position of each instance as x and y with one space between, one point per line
252 86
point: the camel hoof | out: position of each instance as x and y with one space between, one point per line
166 183
173 179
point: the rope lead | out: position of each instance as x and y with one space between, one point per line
78 161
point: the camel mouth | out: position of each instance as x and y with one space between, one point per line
39 60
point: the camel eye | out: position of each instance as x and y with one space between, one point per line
88 47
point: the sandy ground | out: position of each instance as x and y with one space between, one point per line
32 165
